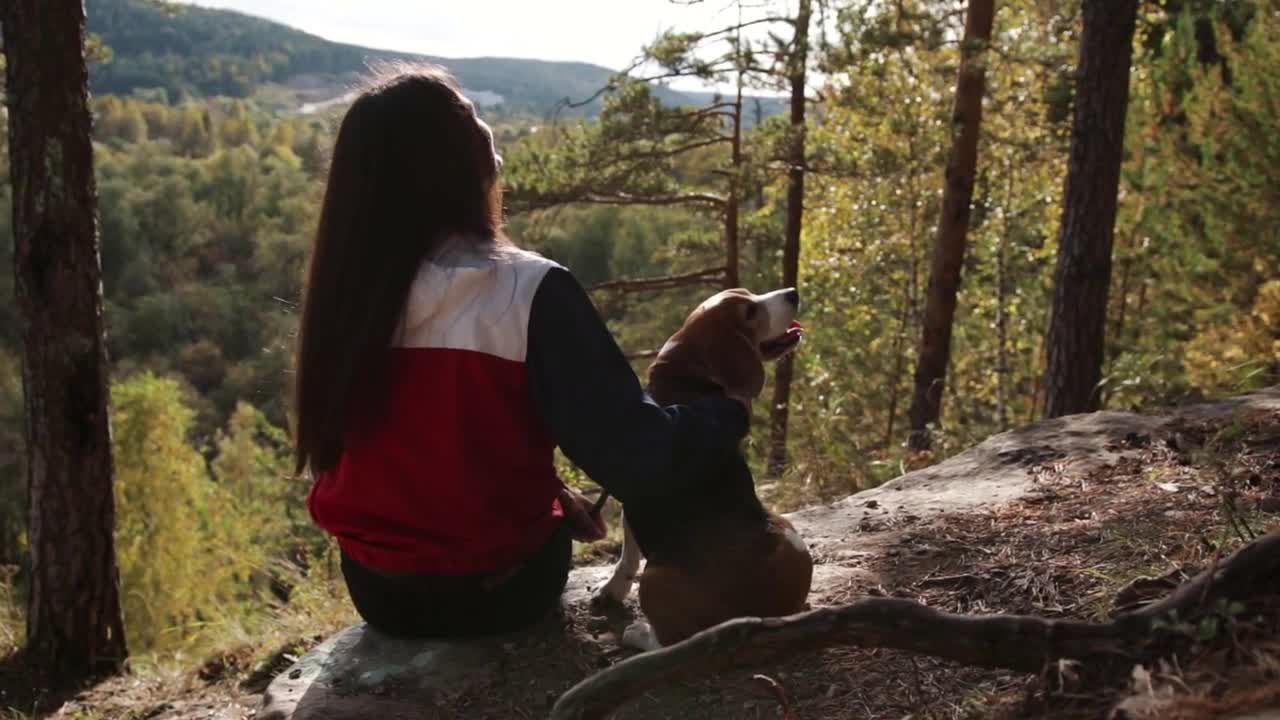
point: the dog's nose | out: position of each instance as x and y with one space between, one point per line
793 296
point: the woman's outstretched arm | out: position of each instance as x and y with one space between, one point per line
591 401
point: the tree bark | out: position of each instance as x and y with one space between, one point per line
895 375
1002 307
799 64
75 630
1077 327
732 243
953 225
909 305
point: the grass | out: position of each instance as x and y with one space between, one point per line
12 620
237 653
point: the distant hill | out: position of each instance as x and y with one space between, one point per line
197 51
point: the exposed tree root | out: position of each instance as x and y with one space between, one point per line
1022 643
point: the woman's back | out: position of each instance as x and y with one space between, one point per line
456 474
439 367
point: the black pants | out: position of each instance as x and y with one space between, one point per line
461 606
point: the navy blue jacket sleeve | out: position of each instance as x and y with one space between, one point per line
591 401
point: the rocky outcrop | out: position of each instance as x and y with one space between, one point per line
360 674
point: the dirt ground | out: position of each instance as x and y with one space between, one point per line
1085 542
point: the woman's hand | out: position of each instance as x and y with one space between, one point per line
584 525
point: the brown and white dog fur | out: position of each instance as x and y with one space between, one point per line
714 553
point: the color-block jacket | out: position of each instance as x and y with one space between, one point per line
501 357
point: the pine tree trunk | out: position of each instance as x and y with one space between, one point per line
799 63
910 305
732 241
74 626
1077 327
1002 310
953 226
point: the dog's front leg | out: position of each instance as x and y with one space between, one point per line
624 573
640 636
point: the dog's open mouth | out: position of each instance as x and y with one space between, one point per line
775 347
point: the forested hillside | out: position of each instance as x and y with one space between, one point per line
188 52
209 194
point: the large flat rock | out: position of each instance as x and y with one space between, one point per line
359 674
993 473
362 674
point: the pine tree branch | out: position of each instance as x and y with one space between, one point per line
612 85
709 276
719 69
717 109
521 204
1021 643
733 29
678 199
658 154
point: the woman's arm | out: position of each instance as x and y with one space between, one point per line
590 399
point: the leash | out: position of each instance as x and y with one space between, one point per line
600 501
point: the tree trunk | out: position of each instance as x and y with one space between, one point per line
1002 308
1128 253
75 630
799 64
732 241
895 375
1117 335
1120 306
1077 338
953 225
909 309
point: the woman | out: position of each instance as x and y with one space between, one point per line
438 369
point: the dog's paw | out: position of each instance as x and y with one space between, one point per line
640 636
610 595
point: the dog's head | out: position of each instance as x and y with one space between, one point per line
727 339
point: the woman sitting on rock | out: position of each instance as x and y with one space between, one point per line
438 369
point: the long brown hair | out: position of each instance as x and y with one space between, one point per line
412 166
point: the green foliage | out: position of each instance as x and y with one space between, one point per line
201 237
13 497
201 546
252 466
265 517
1193 239
873 214
1197 238
13 480
12 620
1241 354
632 152
172 578
677 52
205 211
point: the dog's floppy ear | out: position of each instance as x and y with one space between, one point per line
734 364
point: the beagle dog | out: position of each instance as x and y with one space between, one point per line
715 553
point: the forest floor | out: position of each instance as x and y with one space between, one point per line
1085 541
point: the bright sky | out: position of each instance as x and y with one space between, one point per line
604 32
